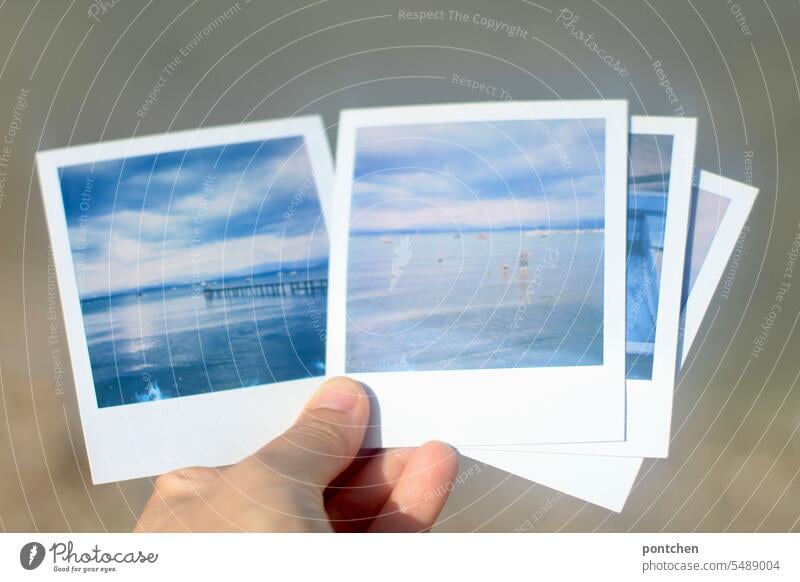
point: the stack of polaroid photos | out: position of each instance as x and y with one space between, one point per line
522 280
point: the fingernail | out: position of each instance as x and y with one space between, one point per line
340 394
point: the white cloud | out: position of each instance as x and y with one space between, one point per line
485 214
407 186
243 193
134 264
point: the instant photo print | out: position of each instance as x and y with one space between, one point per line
659 201
192 270
720 208
478 270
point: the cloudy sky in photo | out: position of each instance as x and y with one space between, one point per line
479 175
193 215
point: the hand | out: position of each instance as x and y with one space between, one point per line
309 479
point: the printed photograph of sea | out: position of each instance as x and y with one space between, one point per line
199 270
477 245
648 189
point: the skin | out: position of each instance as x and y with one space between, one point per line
311 479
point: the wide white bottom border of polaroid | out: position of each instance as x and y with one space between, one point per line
492 406
150 438
607 480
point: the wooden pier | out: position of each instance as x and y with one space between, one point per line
275 289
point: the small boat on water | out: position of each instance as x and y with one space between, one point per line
523 259
482 236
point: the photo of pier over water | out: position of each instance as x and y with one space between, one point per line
648 189
199 270
477 245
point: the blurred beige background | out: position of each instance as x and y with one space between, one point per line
76 72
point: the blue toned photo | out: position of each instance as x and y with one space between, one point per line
199 270
477 245
650 160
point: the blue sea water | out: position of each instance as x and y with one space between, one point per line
648 190
174 341
447 300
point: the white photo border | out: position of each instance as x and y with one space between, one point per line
218 428
570 404
607 480
742 197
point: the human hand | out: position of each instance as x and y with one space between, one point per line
309 479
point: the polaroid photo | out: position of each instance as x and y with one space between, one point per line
720 208
192 270
659 200
478 268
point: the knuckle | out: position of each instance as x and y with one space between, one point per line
318 436
166 483
181 483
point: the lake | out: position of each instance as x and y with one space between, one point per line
468 300
163 343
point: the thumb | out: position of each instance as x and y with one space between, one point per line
325 438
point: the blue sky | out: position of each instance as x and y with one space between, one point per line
476 175
202 213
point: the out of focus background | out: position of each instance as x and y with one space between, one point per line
79 71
